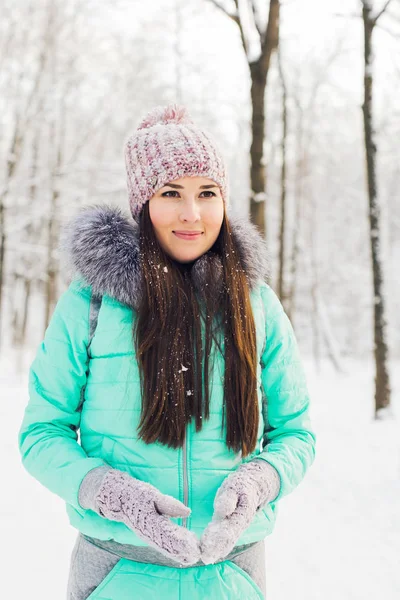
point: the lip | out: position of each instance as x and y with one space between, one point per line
187 236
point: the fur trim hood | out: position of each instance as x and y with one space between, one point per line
100 244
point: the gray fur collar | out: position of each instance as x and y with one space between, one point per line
100 244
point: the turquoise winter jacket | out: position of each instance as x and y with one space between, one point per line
92 386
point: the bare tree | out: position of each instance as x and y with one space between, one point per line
23 269
306 205
24 115
283 208
178 53
382 382
259 67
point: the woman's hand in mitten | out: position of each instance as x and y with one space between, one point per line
142 507
241 494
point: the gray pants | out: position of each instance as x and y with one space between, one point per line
90 565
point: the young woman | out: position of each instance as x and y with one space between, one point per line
175 359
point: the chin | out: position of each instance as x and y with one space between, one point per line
187 259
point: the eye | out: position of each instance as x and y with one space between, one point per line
175 192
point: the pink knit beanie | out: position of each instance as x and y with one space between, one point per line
166 146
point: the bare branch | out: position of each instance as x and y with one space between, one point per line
235 18
239 24
255 18
96 124
221 8
271 38
380 13
348 16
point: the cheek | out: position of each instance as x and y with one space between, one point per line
218 215
157 217
215 220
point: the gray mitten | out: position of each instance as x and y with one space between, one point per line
118 496
241 494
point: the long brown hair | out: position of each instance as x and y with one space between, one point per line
168 343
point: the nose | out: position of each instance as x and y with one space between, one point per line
190 211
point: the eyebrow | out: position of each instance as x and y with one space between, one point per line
181 187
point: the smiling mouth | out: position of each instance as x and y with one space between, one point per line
187 236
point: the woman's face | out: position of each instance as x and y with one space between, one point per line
189 204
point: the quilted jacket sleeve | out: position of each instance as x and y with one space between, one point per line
289 437
47 438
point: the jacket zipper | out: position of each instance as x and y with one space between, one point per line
185 479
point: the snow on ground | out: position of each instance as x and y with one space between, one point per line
337 535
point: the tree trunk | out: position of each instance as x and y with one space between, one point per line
24 322
259 68
298 201
382 383
282 227
14 156
14 318
259 74
257 172
314 285
29 235
23 119
328 335
51 274
178 54
57 133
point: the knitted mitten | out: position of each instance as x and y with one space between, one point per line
245 491
118 496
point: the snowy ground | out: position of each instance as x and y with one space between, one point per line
337 536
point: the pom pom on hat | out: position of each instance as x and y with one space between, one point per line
163 115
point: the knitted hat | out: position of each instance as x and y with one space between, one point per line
166 146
